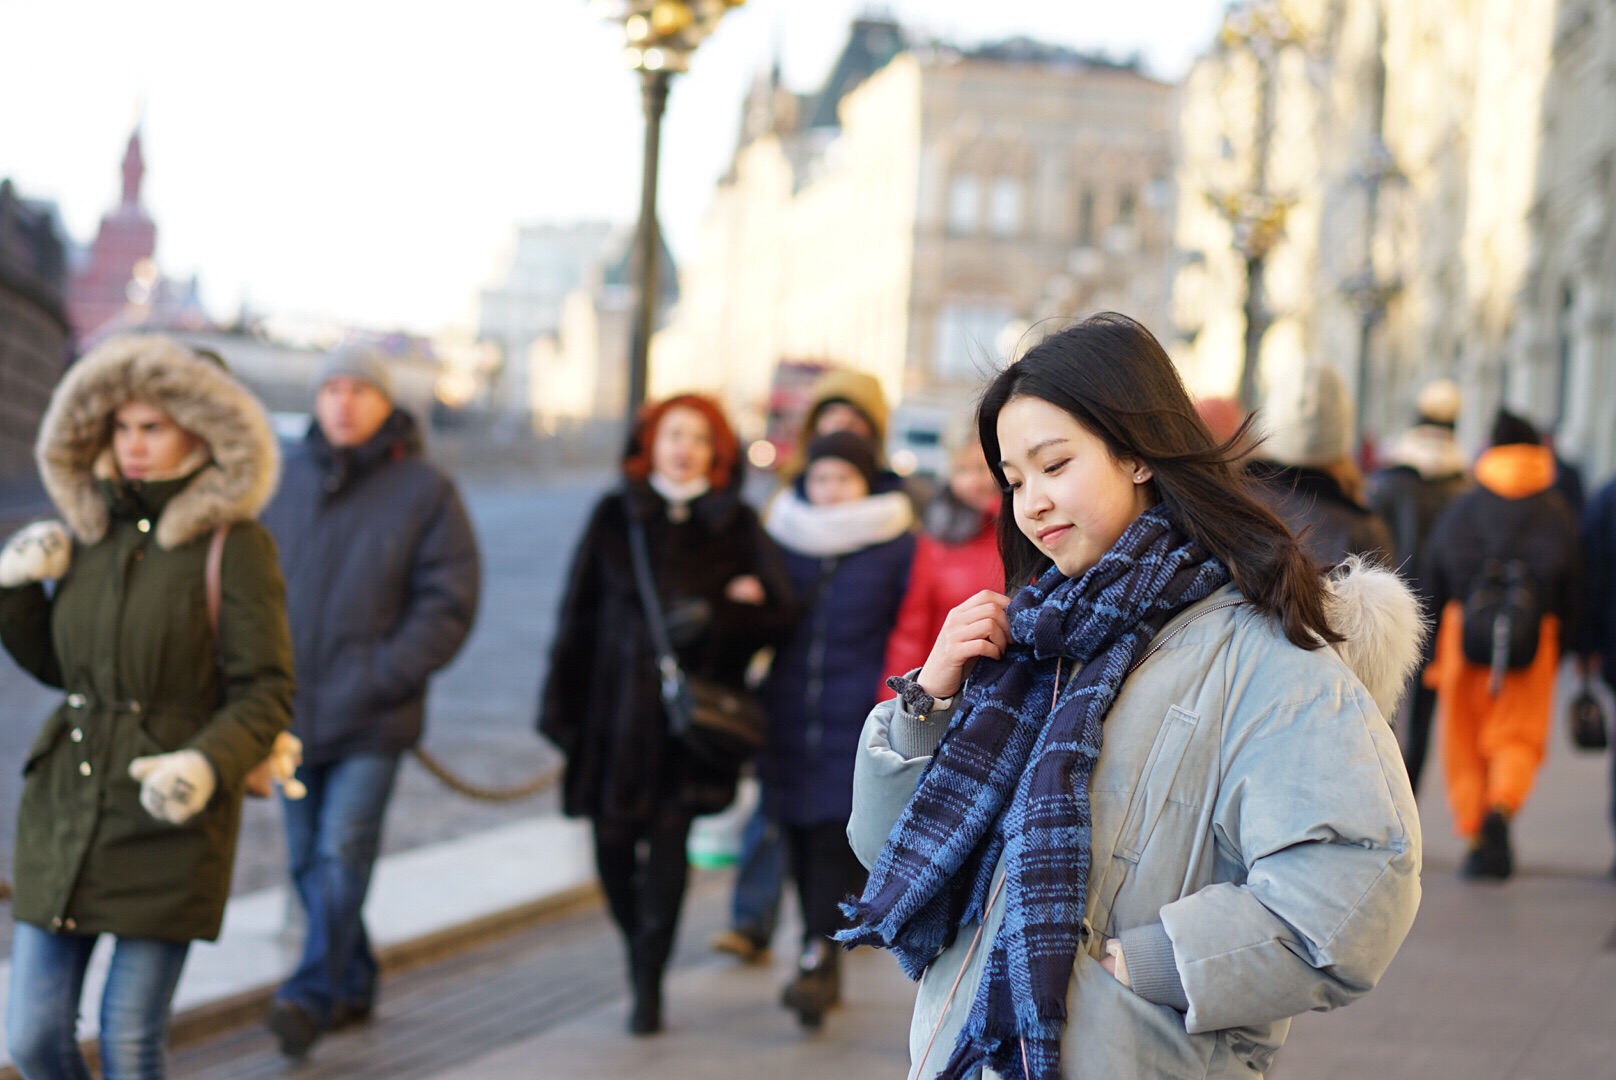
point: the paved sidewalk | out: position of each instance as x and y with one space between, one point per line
725 1020
1496 982
1510 981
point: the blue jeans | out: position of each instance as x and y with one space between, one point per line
47 980
755 904
333 835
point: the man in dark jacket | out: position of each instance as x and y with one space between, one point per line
382 581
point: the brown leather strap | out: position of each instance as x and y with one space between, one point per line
212 577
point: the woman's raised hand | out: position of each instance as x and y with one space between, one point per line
975 629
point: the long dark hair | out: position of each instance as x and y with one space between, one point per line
1113 377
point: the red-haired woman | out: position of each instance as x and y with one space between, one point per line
724 594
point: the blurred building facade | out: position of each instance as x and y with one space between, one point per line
546 263
34 333
1564 365
577 371
917 214
1438 205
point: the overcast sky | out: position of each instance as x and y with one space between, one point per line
368 161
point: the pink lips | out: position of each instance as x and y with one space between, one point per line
1050 537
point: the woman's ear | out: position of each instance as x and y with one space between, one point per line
1140 471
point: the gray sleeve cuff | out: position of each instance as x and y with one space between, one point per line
1151 967
913 737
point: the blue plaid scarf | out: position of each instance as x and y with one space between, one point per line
1011 779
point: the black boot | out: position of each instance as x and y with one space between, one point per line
1491 856
818 985
645 1018
647 962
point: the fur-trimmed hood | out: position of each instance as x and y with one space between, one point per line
1379 617
74 447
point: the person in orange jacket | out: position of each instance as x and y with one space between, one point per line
1503 561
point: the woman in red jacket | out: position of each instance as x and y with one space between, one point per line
956 557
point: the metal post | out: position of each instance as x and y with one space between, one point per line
647 243
1255 311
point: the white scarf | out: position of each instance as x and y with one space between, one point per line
679 494
1428 450
840 528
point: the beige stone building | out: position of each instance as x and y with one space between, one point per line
1562 369
916 216
1444 170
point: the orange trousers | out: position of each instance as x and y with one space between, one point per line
1491 746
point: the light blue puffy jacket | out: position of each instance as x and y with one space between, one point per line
1256 847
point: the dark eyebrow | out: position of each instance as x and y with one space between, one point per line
1036 448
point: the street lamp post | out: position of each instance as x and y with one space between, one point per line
1258 217
1367 291
662 35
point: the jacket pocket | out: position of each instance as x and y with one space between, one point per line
1155 782
1146 807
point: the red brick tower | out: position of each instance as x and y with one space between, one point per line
127 237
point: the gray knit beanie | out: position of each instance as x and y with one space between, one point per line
1307 415
360 363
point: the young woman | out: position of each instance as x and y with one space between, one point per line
724 595
133 793
1166 814
848 550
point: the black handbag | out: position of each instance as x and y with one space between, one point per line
720 724
1586 714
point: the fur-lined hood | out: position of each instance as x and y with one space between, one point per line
74 449
1379 617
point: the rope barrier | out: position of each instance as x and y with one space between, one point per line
445 775
525 790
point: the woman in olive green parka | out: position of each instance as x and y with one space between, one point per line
132 797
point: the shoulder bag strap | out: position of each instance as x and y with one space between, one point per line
667 663
213 576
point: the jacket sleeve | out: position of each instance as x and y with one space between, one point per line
255 651
1316 805
564 701
884 780
749 627
445 580
1434 569
25 629
1571 604
911 639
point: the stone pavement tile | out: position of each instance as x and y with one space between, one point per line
725 1019
435 892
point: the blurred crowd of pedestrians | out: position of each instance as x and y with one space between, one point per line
173 620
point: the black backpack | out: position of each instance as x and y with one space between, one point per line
1502 616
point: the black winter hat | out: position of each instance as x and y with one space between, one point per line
1509 428
856 450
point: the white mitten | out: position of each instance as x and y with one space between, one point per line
173 787
284 758
38 552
